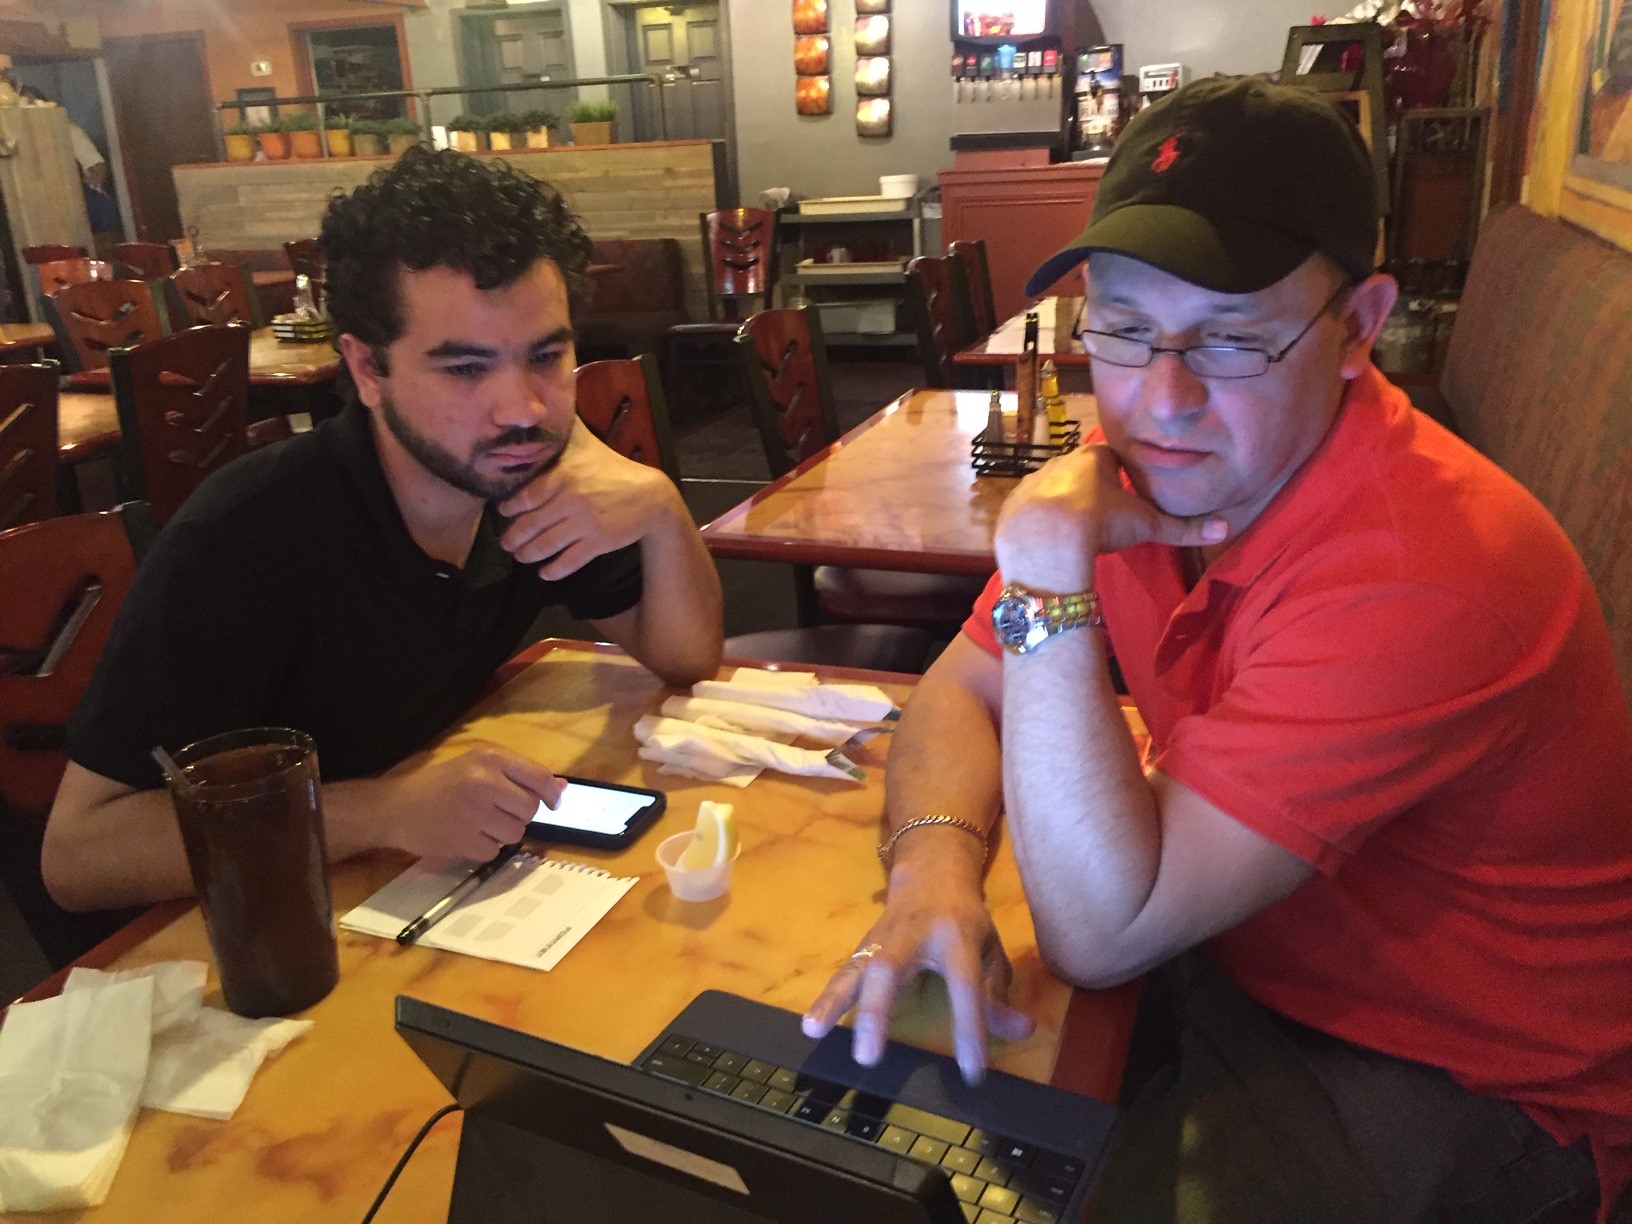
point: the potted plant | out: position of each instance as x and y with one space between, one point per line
592 122
539 123
339 134
274 141
240 142
402 134
506 131
467 133
303 138
367 137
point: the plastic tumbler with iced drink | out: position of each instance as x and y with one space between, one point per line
251 817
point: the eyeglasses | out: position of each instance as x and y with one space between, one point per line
1202 360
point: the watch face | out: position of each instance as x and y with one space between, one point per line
1012 623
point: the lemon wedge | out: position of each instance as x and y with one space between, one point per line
713 840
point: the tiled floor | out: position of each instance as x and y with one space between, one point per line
721 463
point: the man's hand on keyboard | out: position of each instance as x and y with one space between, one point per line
935 919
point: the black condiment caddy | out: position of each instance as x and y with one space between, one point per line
1004 458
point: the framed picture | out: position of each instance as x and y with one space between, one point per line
1356 104
810 16
872 35
1345 61
872 76
872 116
872 6
1597 187
262 114
812 95
810 52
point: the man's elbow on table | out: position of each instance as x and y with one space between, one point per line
1072 963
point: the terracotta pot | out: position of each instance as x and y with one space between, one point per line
401 142
339 142
367 144
538 138
501 140
240 148
274 144
593 133
305 144
467 142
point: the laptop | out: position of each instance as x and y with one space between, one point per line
733 1116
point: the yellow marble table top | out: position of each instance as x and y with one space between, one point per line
897 492
325 1120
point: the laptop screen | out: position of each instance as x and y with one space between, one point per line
553 1134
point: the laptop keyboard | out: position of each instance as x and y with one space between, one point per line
997 1180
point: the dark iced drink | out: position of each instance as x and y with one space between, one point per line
252 822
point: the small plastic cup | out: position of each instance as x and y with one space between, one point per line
693 884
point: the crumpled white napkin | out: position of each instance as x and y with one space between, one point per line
663 738
74 1069
71 1073
864 703
759 719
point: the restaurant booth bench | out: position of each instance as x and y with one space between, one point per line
1538 376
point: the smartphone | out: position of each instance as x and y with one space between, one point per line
600 814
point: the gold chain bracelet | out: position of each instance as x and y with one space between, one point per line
924 822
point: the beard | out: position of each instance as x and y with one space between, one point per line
463 474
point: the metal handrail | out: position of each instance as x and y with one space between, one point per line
424 96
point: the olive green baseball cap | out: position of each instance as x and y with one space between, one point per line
1230 183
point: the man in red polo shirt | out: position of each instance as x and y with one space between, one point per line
1388 792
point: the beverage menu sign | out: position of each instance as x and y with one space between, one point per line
1002 18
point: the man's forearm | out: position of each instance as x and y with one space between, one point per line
1083 820
677 624
944 760
127 850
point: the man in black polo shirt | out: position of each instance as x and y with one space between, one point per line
362 582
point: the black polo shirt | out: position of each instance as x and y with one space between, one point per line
287 592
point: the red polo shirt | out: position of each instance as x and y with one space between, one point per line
1401 673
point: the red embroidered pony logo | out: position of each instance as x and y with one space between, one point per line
1167 154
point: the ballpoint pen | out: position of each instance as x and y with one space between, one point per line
477 877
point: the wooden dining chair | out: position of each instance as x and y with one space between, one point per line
740 246
183 404
101 315
941 316
151 260
621 400
50 252
64 580
28 443
58 274
785 365
973 253
214 293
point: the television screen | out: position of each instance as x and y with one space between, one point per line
1001 19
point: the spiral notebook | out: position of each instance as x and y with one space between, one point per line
532 912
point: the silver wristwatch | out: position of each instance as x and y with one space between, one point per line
1024 619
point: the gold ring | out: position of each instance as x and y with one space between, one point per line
867 953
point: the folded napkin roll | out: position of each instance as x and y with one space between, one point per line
699 741
849 702
759 719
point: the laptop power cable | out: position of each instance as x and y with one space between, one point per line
402 1162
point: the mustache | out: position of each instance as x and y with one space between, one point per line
523 435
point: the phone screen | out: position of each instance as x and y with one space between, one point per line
594 809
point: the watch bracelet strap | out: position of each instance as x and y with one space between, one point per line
1072 611
936 820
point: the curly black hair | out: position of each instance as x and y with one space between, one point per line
439 208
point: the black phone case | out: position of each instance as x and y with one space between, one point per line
545 831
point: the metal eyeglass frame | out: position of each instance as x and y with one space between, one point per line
1079 333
